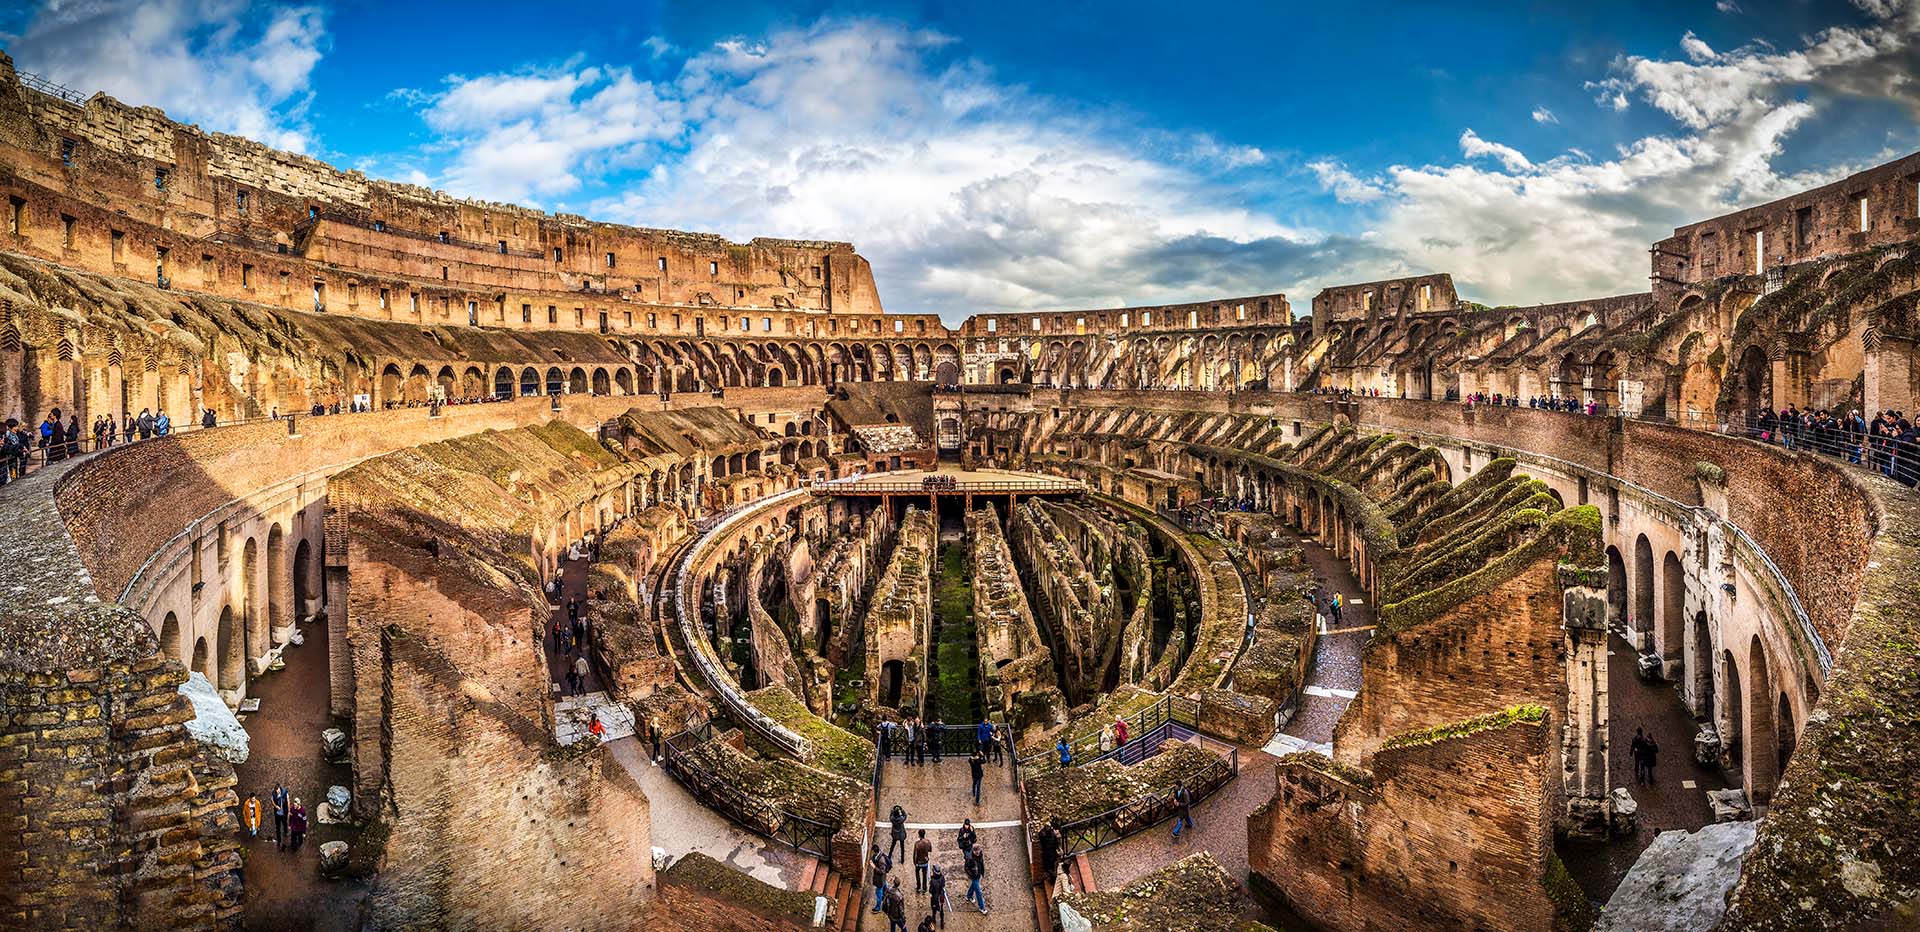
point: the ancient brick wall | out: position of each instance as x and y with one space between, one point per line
1449 832
495 828
699 894
113 815
1488 653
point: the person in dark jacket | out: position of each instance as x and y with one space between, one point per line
207 418
297 824
895 907
1050 851
937 902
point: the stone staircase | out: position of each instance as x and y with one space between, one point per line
842 891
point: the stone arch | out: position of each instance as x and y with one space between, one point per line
1754 385
601 384
1762 748
170 637
1733 736
390 383
202 662
623 380
278 575
473 383
231 649
503 383
556 380
1673 618
302 578
252 618
1616 587
449 384
1642 610
577 381
529 381
1702 668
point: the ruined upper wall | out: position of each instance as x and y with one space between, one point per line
1871 208
232 191
1390 299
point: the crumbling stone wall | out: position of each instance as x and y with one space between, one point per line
901 613
116 817
1016 665
1448 829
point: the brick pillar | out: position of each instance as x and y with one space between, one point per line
1584 776
1889 371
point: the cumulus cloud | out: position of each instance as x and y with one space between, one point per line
1543 115
1728 6
229 65
1576 226
1347 187
968 193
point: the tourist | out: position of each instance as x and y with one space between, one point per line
1049 851
1119 732
581 671
279 799
895 907
1066 753
1335 605
911 732
926 924
898 817
919 742
250 815
886 739
297 824
145 423
655 732
967 838
937 737
598 730
127 427
922 851
162 426
1106 740
1643 750
1183 805
937 901
1000 741
976 872
73 436
878 864
100 433
983 736
208 419
977 765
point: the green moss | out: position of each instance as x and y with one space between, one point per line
1519 714
1572 911
728 885
1710 474
1572 531
835 749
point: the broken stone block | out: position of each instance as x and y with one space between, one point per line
339 799
214 723
297 638
333 744
333 860
1706 746
1651 668
1729 805
1626 812
1587 818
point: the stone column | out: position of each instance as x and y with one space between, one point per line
1584 734
1889 371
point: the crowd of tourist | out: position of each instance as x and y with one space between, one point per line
889 900
60 436
1888 443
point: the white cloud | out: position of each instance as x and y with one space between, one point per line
228 65
1697 48
966 192
1347 187
1472 146
1728 6
1543 115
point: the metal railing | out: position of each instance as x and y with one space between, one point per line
749 812
703 654
1177 710
854 485
34 82
1138 815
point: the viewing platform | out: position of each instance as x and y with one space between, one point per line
949 482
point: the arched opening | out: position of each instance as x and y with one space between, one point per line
1733 736
503 383
1783 724
250 613
556 382
947 374
1642 616
390 383
302 579
823 625
529 381
202 662
1616 587
170 637
892 676
277 574
232 651
1702 672
577 381
1756 384
776 378
623 380
601 384
1673 590
1762 758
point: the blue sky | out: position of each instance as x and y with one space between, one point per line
992 157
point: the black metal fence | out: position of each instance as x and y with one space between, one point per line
749 812
1087 748
1145 812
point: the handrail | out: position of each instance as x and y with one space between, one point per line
703 656
1138 815
853 486
788 828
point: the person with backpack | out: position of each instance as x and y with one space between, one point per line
279 799
1337 603
1183 805
937 902
968 837
877 867
937 738
976 872
898 817
977 764
1066 753
895 907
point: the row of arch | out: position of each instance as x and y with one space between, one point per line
261 596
